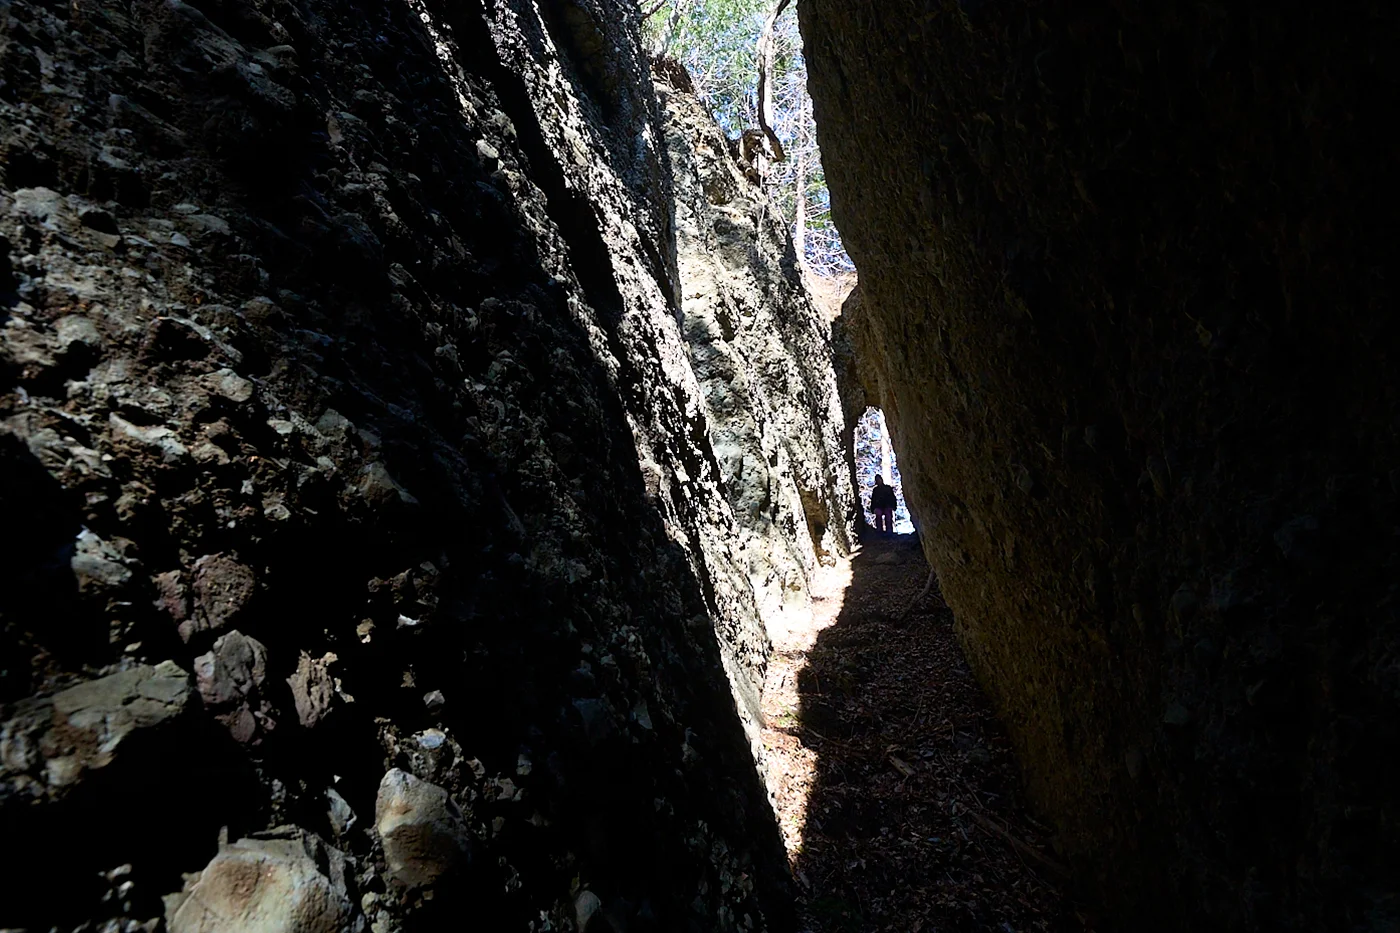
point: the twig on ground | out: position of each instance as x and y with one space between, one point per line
932 576
1017 844
823 738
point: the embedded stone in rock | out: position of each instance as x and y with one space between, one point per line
74 333
230 385
157 439
173 597
599 722
585 906
38 203
261 886
222 588
81 728
342 817
422 830
95 218
230 679
381 489
313 688
96 564
232 670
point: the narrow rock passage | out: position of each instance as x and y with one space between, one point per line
897 794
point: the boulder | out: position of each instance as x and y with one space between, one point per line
313 688
230 679
261 886
57 739
421 828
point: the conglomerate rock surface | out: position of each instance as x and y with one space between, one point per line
1126 301
754 333
364 527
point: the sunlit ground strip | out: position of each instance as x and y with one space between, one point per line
792 764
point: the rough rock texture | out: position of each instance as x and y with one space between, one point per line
1132 328
754 334
50 741
422 831
286 882
858 371
342 366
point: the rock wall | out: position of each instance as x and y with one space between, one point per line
1127 308
754 334
859 375
365 529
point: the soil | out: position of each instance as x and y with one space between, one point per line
897 795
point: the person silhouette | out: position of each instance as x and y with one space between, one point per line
882 503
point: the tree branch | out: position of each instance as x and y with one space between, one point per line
765 69
654 10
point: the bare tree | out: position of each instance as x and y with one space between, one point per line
745 60
765 74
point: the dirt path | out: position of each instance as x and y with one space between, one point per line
898 796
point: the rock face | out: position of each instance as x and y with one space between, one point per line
1136 351
351 363
753 333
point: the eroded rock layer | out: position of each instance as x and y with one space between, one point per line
1131 322
364 528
